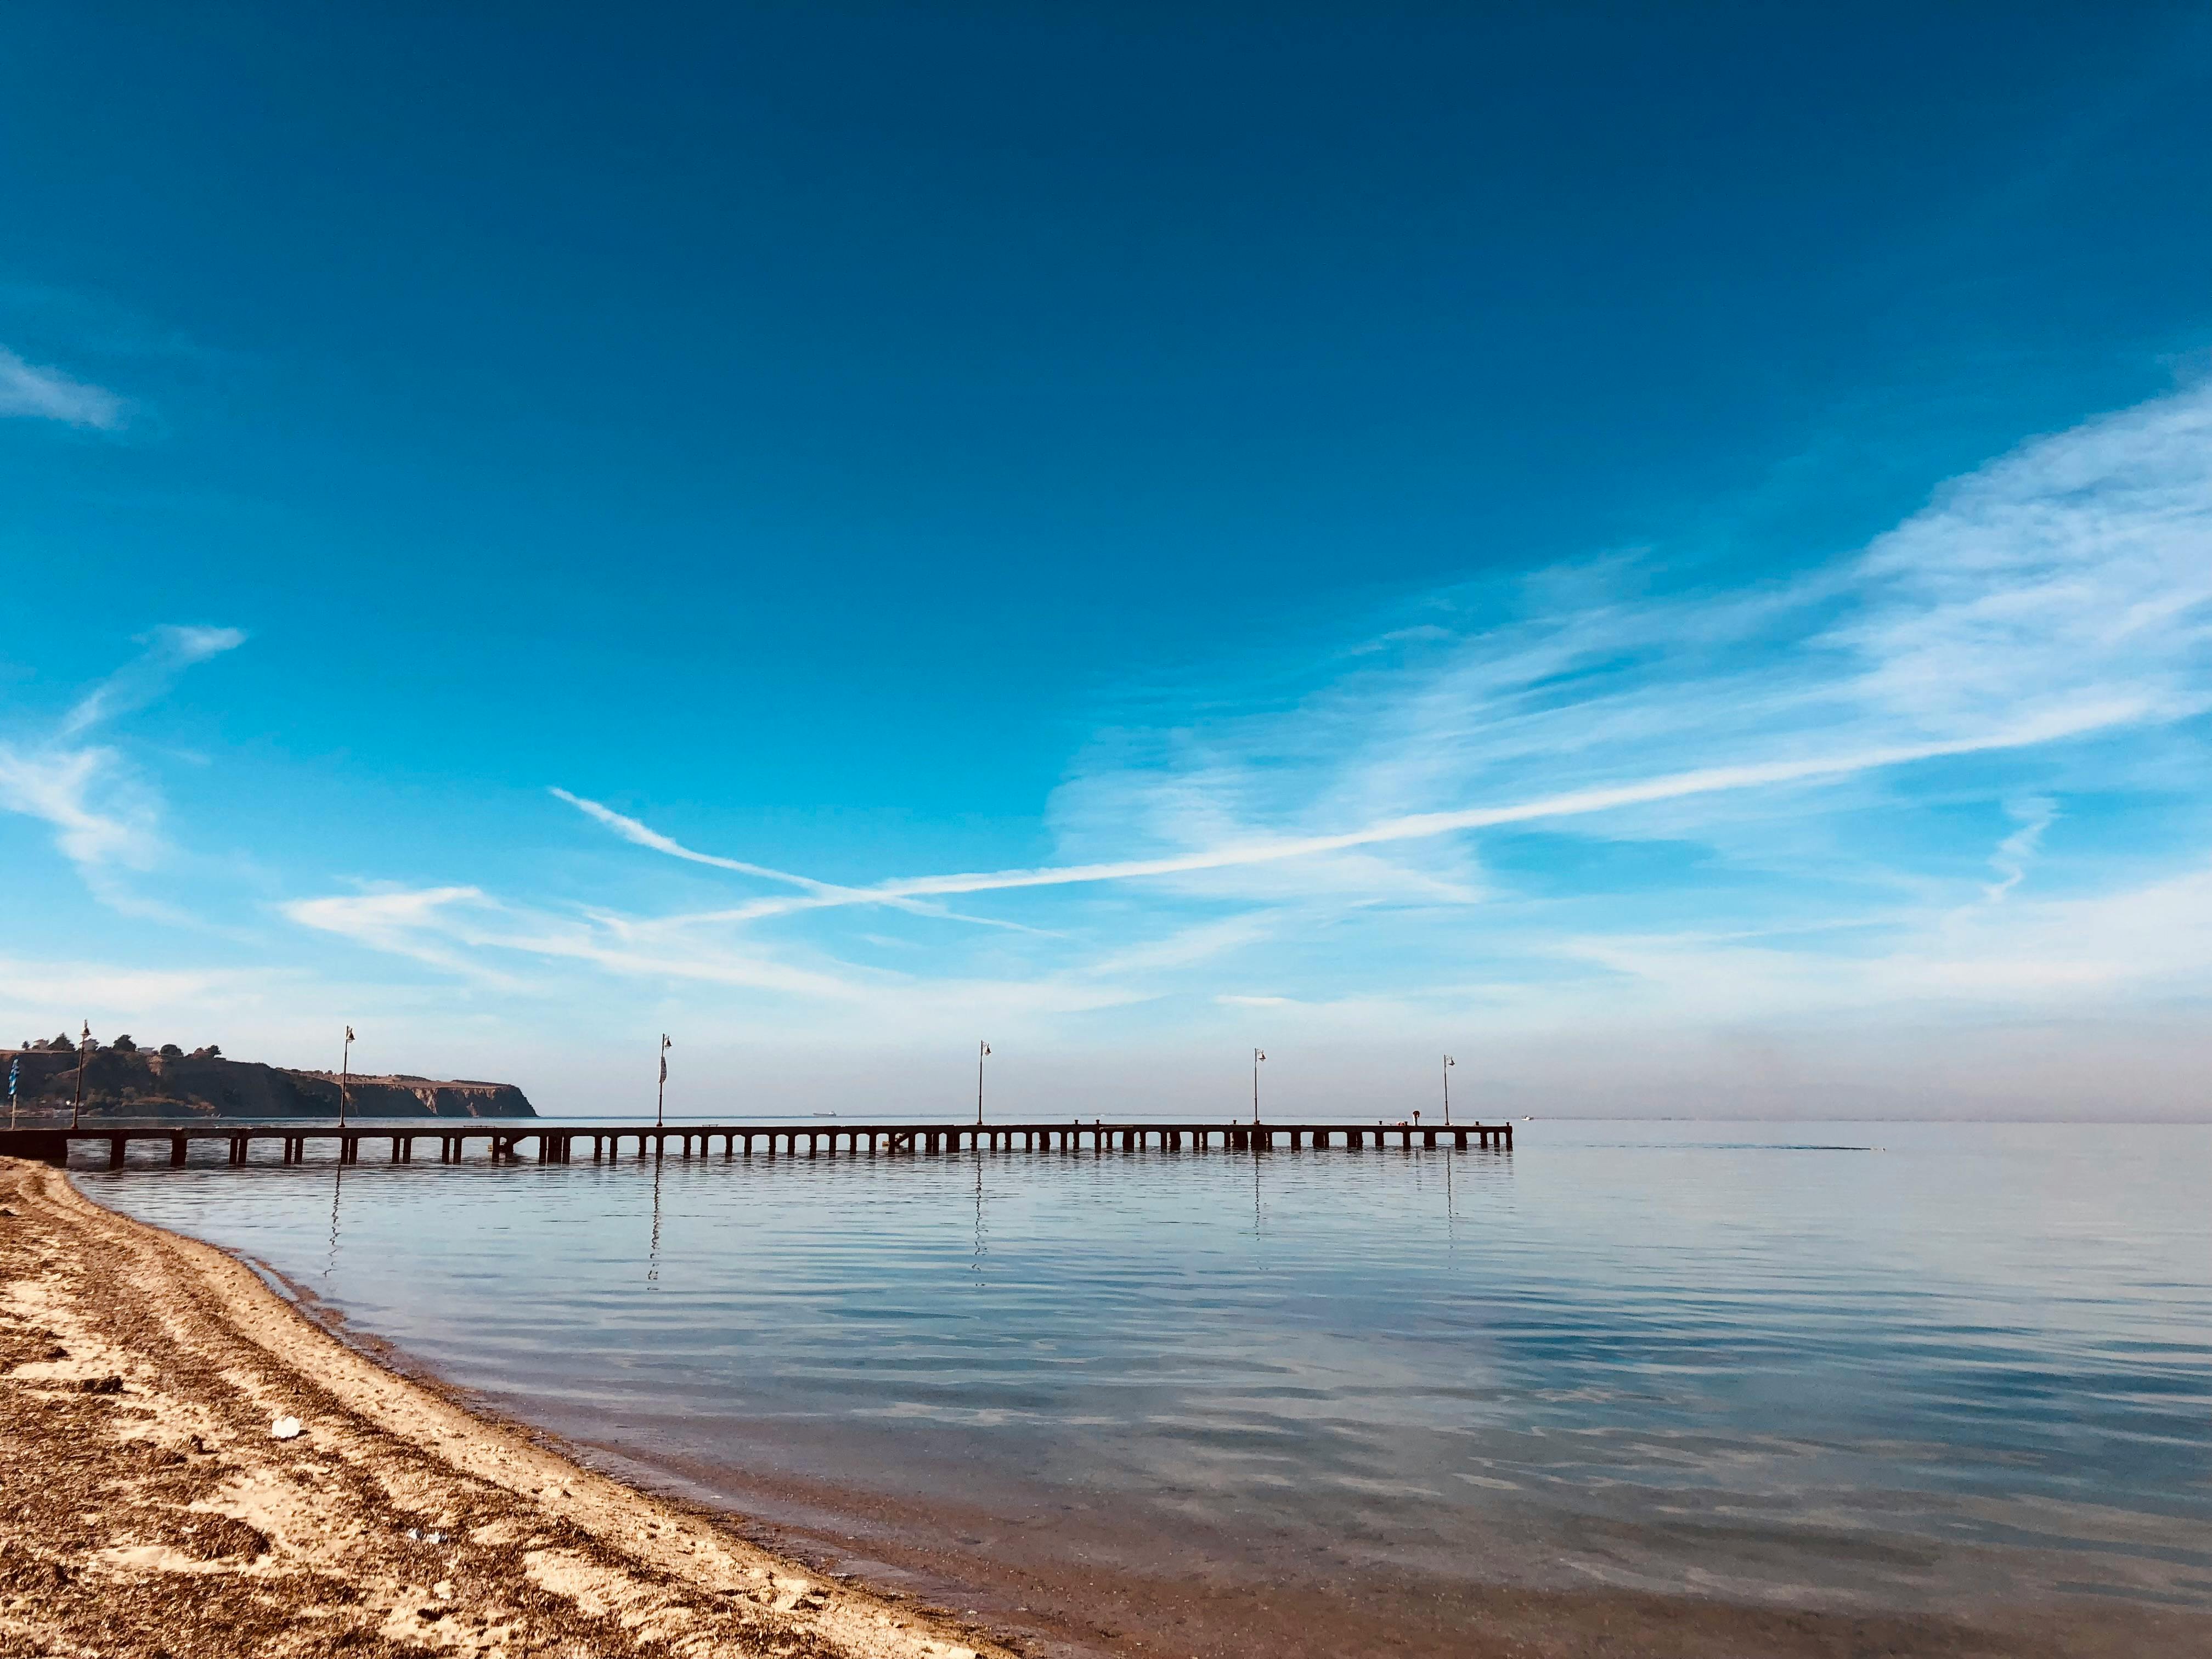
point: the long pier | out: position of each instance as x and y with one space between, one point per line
558 1143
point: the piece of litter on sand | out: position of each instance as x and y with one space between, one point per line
421 1537
285 1428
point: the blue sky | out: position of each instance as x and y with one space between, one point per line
1667 554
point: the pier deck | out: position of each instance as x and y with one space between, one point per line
503 1139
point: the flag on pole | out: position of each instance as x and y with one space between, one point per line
350 1036
1259 1054
1449 1061
665 1046
986 1049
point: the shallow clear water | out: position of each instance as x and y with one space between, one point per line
1908 1366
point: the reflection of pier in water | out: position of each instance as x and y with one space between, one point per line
557 1143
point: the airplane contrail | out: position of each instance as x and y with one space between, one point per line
1417 826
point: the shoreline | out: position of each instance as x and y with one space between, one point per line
543 1552
148 1509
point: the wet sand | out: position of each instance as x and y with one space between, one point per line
1073 1586
145 1509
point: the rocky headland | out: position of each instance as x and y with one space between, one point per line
124 1082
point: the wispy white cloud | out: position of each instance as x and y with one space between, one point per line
35 988
2152 936
1349 851
2057 723
169 650
2078 569
104 815
29 391
639 835
1188 947
466 931
2064 591
99 817
423 924
2017 850
473 935
821 894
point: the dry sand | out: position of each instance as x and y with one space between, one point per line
147 1509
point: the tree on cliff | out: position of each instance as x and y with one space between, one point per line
123 1045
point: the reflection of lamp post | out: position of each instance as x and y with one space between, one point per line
661 1100
982 1049
1258 1055
83 1048
1449 1063
345 1075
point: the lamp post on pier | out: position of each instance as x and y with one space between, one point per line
1449 1063
1258 1055
83 1048
661 1100
982 1051
345 1075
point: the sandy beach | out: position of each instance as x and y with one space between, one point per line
147 1509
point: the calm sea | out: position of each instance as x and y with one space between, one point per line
1859 1366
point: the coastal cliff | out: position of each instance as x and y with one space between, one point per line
139 1082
